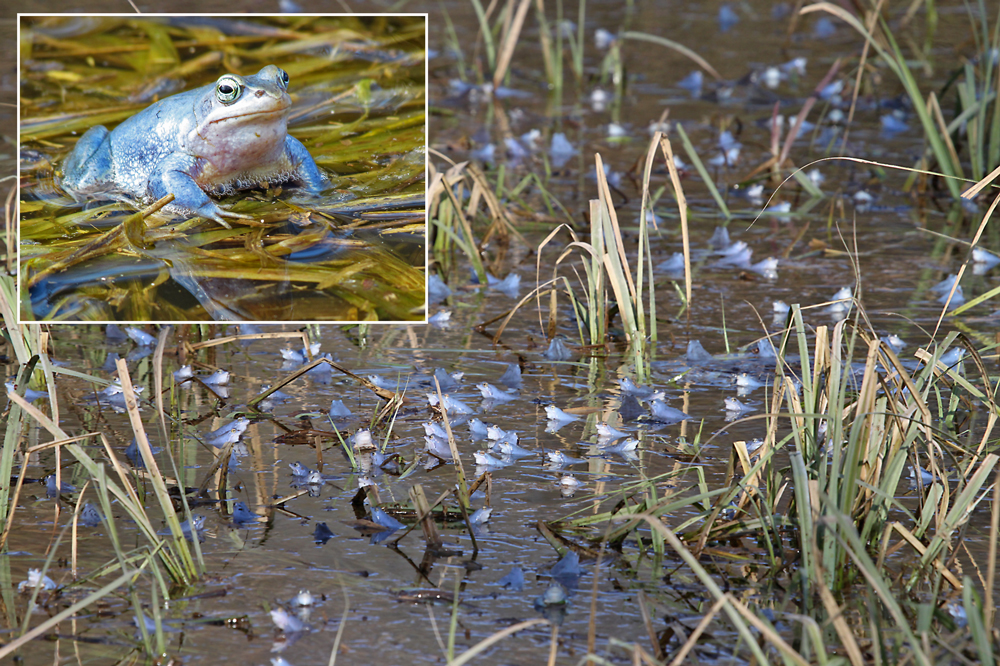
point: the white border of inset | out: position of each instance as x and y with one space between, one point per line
17 206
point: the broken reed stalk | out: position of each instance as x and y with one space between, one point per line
463 487
424 517
191 568
512 31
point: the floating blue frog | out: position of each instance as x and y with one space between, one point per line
226 136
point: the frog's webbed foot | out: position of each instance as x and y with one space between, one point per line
189 198
304 166
213 211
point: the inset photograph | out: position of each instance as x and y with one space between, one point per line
234 168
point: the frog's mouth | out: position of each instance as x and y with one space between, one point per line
252 114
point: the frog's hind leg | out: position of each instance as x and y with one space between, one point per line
88 168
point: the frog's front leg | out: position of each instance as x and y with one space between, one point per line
88 168
173 177
304 166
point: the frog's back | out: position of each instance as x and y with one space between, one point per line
143 142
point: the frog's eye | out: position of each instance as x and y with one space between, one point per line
283 76
228 89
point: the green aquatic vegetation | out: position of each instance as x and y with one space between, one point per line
359 112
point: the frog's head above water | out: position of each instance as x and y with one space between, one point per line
240 122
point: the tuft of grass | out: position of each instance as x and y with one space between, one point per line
823 497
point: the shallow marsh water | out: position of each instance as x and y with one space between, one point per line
898 263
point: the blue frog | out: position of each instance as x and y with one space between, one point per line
217 139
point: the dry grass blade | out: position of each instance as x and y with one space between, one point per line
840 624
794 131
161 342
553 302
463 487
190 569
961 271
390 396
921 549
9 235
606 232
698 631
647 622
424 518
675 180
670 44
537 291
934 108
250 336
510 38
991 566
870 25
553 645
13 500
978 187
645 254
16 334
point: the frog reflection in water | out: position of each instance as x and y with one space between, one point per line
226 136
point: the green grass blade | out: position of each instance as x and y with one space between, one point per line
702 171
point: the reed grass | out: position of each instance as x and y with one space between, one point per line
822 496
885 44
176 557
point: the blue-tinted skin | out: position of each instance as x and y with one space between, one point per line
226 136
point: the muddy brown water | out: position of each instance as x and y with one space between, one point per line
360 583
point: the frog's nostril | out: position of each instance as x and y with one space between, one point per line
260 93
